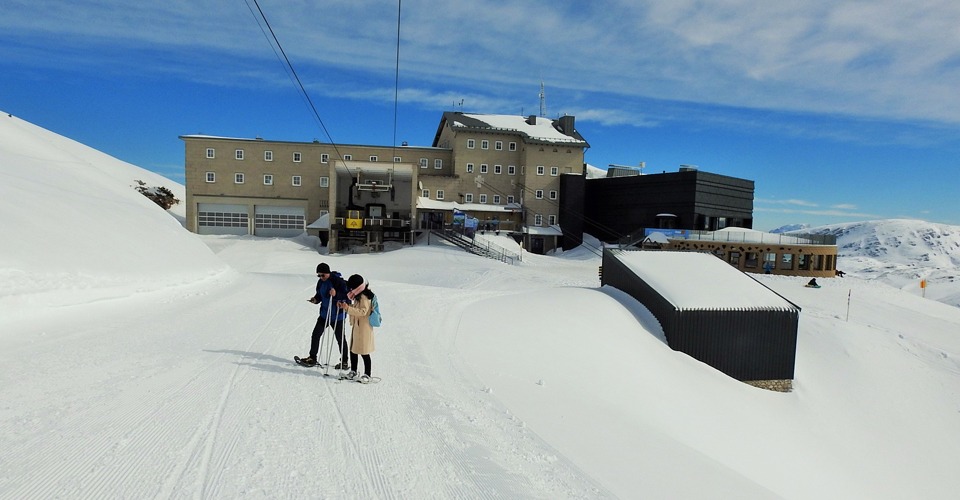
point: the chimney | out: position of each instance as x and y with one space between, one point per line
566 124
532 120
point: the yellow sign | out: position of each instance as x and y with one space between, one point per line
354 223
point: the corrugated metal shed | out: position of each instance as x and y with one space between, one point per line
711 311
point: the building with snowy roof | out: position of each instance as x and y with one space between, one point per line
712 312
504 170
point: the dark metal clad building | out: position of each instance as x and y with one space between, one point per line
688 199
745 330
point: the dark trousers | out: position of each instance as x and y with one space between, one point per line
318 332
366 362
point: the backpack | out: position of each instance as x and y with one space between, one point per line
375 318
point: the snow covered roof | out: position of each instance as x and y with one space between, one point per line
692 280
322 223
542 129
544 231
429 204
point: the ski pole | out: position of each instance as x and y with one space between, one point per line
331 321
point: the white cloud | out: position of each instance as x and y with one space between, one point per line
874 59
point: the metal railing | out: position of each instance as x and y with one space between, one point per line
482 248
734 237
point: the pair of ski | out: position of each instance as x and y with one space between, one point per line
339 374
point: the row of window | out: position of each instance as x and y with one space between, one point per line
468 197
241 178
538 220
803 262
485 144
222 219
424 162
279 221
240 154
511 169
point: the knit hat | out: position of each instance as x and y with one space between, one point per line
323 268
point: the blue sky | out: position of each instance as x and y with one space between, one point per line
839 111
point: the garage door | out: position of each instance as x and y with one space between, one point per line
214 218
281 222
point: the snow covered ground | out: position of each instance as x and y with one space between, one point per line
138 360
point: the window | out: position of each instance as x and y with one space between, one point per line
498 169
483 198
498 145
554 171
553 194
803 262
373 157
438 164
439 194
496 199
511 169
324 158
471 143
425 193
735 259
787 262
324 182
396 159
468 198
523 169
769 262
211 153
540 170
268 156
469 168
538 220
510 199
278 221
539 194
483 168
752 258
238 154
222 219
484 144
297 180
423 163
513 146
238 178
347 157
297 157
267 179
552 220
211 177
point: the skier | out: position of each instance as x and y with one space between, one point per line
359 310
330 289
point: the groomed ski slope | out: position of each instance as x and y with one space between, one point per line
499 381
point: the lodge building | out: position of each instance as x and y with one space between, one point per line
503 170
521 175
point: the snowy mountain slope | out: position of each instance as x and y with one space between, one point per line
499 381
72 219
901 252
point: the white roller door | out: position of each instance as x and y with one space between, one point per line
284 222
215 218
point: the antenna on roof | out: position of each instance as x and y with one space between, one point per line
543 100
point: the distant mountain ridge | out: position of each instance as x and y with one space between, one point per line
900 252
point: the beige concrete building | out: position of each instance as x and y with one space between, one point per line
503 171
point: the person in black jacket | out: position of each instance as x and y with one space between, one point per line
331 289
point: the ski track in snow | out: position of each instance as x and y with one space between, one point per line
206 408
